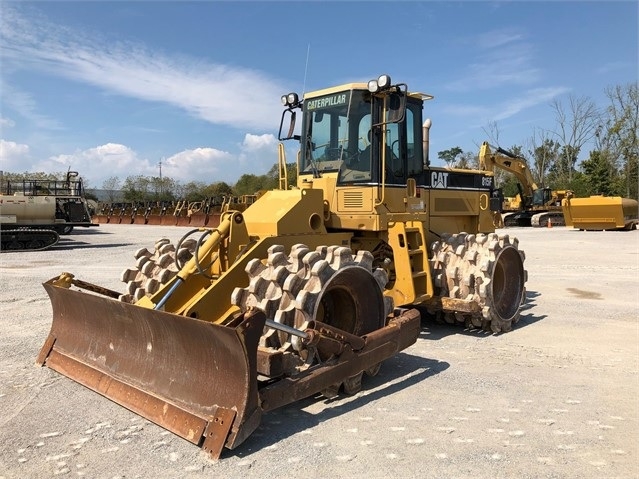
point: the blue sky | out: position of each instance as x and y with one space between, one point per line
113 88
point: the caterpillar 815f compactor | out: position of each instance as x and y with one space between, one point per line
306 290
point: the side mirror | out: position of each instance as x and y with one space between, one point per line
291 114
396 107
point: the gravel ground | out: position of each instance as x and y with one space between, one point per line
555 398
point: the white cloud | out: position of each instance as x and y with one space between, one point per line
99 163
7 122
253 143
258 153
477 116
498 38
612 67
25 106
503 58
13 156
219 94
529 99
202 164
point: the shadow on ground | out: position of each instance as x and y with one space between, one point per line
67 243
434 329
397 373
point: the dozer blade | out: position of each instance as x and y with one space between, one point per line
192 377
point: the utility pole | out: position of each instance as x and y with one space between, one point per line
161 188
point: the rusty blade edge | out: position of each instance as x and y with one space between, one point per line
206 412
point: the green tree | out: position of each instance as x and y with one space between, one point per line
560 174
450 156
600 175
576 125
193 191
249 184
136 189
619 134
544 152
162 189
111 186
291 174
219 188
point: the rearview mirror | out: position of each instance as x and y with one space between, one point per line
396 107
291 114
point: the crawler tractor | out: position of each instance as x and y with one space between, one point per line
307 290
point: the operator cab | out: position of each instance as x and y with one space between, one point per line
366 133
543 197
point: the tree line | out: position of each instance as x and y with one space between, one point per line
612 167
143 189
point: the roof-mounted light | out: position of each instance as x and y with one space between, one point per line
382 83
292 99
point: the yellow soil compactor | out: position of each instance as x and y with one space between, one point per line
307 290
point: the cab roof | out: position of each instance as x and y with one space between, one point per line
357 86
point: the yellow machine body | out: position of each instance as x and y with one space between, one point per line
307 288
534 205
601 213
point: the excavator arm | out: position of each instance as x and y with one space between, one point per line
511 163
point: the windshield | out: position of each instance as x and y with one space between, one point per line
540 197
337 132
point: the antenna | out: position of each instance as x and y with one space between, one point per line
308 54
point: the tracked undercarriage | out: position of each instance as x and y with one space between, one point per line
26 239
548 219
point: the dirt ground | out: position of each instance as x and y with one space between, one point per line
555 398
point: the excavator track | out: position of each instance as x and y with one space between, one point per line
548 218
485 270
27 239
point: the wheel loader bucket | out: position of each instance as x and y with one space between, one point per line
183 221
154 220
192 377
214 220
199 220
168 220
